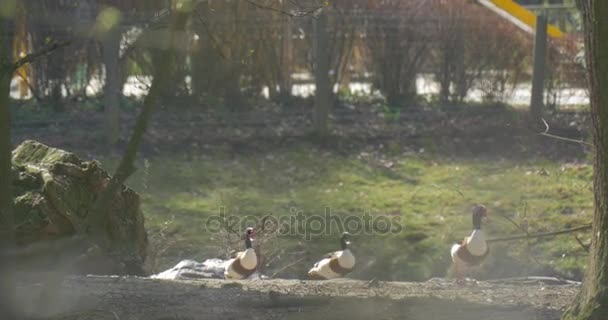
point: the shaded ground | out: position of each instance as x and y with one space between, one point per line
136 298
487 131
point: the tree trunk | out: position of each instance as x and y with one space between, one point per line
112 88
285 82
592 301
7 231
322 84
444 76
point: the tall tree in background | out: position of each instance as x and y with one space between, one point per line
112 19
592 301
398 40
109 20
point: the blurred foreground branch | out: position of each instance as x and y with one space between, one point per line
160 82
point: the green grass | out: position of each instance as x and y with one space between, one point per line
431 197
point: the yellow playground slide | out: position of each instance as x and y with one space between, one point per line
518 15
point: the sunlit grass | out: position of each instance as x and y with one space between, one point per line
432 197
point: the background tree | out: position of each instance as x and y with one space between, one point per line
469 52
112 20
592 301
398 42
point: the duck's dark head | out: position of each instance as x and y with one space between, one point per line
249 237
344 243
479 212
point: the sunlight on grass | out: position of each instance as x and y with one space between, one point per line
432 198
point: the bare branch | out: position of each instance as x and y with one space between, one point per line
582 244
143 82
36 55
542 235
547 134
265 7
513 222
214 41
287 267
285 12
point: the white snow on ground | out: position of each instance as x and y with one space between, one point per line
137 86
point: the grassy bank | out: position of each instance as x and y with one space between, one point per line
431 197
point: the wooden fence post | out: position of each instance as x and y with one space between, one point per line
538 75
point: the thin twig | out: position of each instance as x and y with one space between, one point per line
270 8
287 267
541 235
214 41
547 134
513 222
142 82
583 245
528 237
557 274
281 11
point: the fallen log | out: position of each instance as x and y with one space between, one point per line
125 298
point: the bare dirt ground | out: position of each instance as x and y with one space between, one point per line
437 299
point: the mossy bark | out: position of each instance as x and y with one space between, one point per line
592 301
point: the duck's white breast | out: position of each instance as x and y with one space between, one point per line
248 261
346 259
476 243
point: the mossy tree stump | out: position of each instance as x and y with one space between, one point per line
54 192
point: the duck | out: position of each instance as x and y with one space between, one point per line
245 263
474 249
336 264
